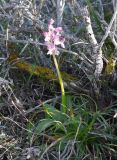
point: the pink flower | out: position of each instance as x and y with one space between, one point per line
50 25
47 36
58 30
53 38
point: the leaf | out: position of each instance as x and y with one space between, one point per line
113 92
29 126
55 114
45 123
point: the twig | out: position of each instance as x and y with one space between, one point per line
97 56
108 30
51 145
60 9
82 56
38 106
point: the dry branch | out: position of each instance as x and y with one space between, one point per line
60 10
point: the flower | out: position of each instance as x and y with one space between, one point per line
50 25
53 38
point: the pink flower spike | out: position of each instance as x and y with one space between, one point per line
51 47
50 25
62 45
51 21
57 52
56 40
58 29
62 40
49 53
53 38
47 36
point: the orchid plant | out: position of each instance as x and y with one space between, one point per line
53 38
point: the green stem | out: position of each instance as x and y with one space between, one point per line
61 84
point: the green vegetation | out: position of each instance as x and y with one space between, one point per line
49 105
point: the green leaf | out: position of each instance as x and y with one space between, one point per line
55 114
45 123
29 126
